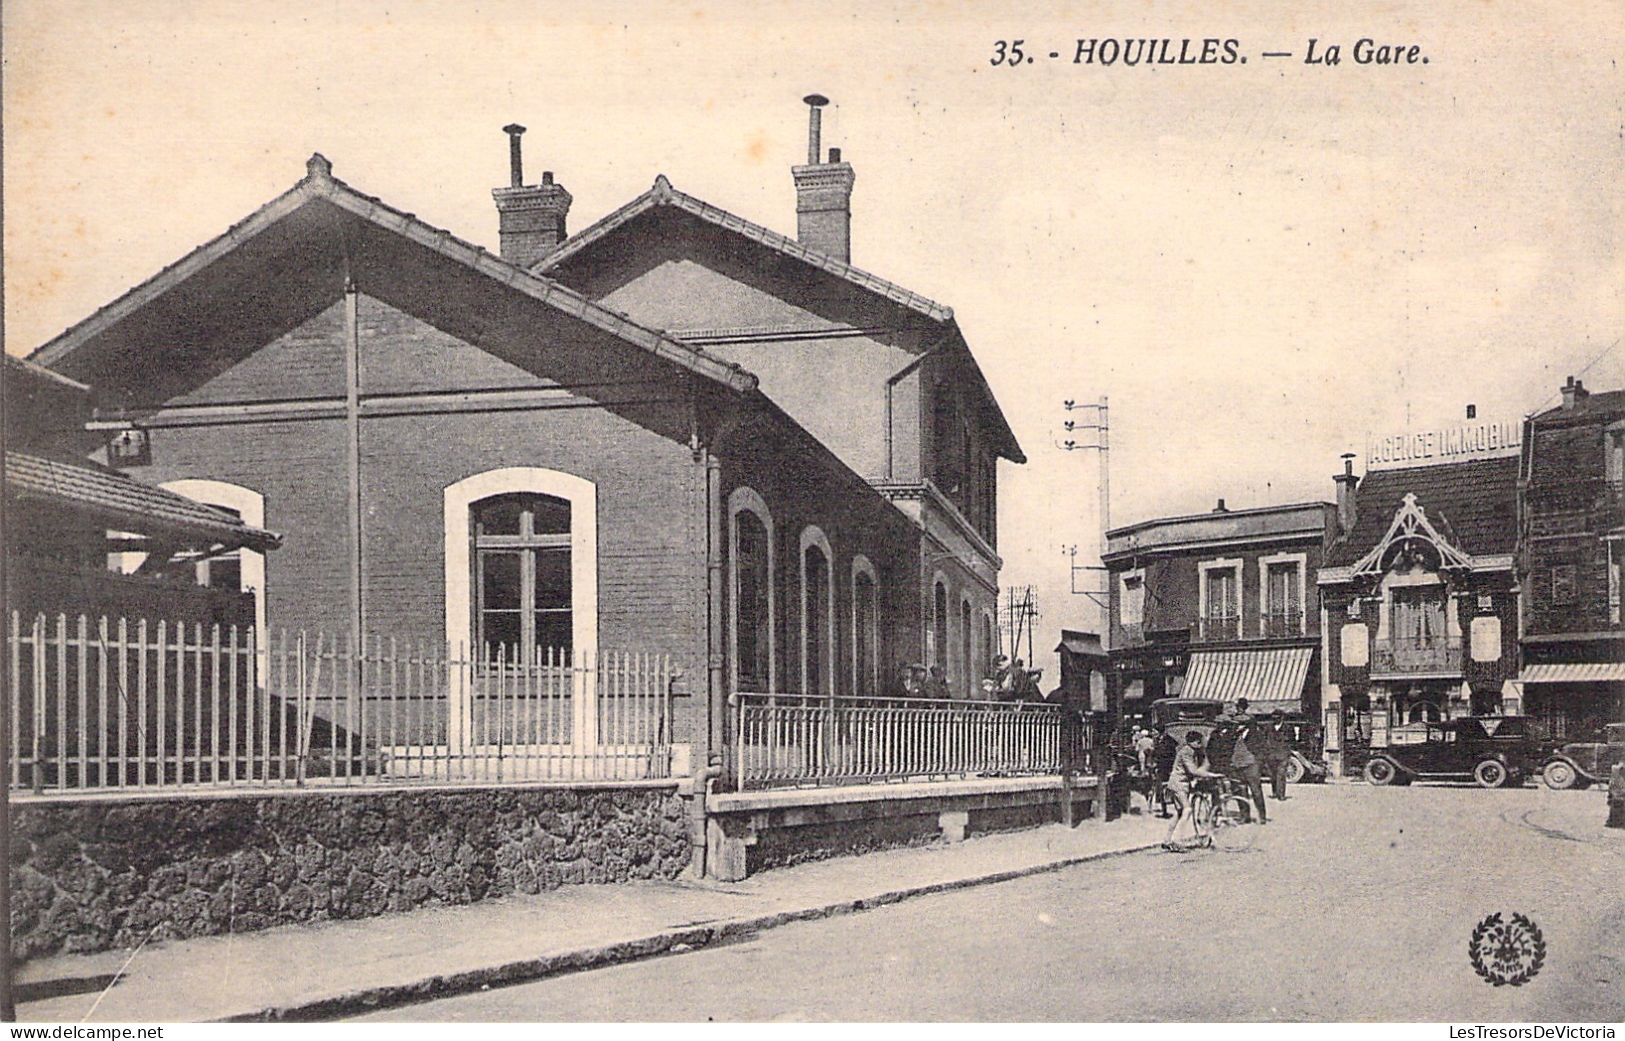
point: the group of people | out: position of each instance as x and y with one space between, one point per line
1241 748
1005 681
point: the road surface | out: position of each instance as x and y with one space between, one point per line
1356 903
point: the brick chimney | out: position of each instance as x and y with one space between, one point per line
823 192
530 217
1574 392
1346 483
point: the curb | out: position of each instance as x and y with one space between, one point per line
372 999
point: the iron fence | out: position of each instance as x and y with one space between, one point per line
789 740
120 704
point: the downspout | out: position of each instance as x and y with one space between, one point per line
715 694
891 382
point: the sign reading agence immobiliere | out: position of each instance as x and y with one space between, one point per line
1489 439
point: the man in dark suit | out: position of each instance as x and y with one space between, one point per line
1278 752
1242 760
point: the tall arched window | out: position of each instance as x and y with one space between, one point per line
967 668
939 627
817 612
522 582
987 651
865 628
750 564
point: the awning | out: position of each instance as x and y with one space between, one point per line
1268 679
1575 672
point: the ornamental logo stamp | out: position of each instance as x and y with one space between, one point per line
1507 952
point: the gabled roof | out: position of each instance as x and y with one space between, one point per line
28 370
319 184
662 194
1473 505
120 501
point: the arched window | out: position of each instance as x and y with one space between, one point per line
522 575
939 627
521 555
865 628
985 662
967 668
817 611
750 579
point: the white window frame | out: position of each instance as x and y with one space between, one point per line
1264 563
861 565
745 500
813 535
250 506
1205 568
1123 580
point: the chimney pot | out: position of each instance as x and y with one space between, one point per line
531 219
1472 411
1220 508
1346 484
823 193
1574 392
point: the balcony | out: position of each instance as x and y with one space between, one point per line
1218 629
1401 656
1283 623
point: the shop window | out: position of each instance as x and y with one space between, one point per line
523 575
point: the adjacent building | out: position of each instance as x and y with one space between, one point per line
1571 562
1420 592
1219 605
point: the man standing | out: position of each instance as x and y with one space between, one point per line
1279 745
1243 760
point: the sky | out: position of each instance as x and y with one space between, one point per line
1258 263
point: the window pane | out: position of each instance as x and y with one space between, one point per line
750 636
226 572
499 581
553 631
817 622
549 516
499 629
553 578
498 515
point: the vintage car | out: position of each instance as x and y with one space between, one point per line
1175 717
1582 763
1493 751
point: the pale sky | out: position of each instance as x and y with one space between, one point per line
1258 263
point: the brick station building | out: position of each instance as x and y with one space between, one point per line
676 432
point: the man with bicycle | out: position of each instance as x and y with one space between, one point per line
1187 770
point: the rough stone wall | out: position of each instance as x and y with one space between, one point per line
90 876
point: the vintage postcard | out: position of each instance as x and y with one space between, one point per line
760 512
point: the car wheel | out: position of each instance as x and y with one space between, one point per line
1559 776
1490 774
1380 772
1294 771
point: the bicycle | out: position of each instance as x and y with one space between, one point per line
1222 818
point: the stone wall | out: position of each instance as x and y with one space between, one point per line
93 875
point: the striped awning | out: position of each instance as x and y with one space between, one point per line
1575 672
1266 678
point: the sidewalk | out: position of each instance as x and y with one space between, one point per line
332 969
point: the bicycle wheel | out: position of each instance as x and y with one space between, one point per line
1233 826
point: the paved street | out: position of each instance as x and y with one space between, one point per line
1356 903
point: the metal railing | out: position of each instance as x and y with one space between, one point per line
1405 655
1218 628
119 704
790 740
1283 623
